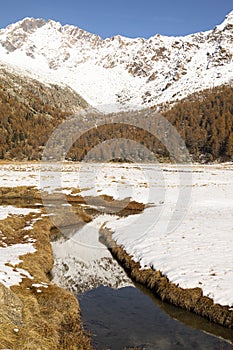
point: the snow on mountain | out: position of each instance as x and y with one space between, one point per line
118 72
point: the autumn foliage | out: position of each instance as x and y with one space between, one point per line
204 120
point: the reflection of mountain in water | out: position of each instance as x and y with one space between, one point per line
83 263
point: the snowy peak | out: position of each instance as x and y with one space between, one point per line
31 29
14 36
120 71
28 25
229 18
47 41
227 24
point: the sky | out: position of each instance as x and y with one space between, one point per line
131 18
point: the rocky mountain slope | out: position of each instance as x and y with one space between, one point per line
118 72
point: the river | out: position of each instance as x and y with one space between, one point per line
129 317
120 314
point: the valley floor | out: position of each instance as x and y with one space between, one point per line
185 231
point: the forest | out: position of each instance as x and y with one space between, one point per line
204 121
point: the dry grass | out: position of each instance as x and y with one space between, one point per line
12 229
51 320
19 162
122 207
8 337
21 192
51 316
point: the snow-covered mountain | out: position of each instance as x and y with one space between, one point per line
119 72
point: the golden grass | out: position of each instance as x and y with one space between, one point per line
8 337
51 316
51 320
21 192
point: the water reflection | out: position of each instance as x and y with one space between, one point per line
127 317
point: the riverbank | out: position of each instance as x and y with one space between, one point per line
189 299
35 313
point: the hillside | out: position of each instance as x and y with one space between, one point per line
30 111
205 122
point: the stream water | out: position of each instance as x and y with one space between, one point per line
119 314
130 317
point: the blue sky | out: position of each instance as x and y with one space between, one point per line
131 18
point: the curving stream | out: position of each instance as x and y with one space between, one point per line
120 314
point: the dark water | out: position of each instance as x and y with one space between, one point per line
128 317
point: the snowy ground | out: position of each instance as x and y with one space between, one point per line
10 254
6 210
187 234
9 258
198 252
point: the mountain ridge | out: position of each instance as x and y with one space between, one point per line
41 21
120 73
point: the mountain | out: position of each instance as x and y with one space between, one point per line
119 73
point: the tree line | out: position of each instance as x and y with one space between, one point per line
204 121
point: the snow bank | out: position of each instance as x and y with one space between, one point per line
10 255
198 253
6 210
